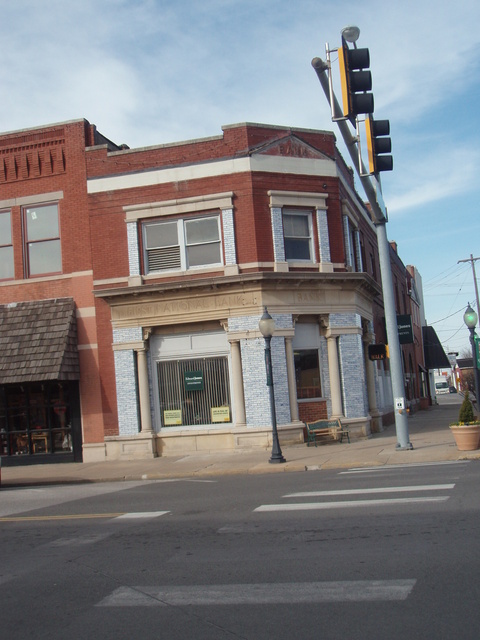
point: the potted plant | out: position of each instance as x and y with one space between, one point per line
467 430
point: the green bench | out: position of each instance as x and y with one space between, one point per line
331 428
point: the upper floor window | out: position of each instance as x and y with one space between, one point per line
297 235
42 240
6 246
182 244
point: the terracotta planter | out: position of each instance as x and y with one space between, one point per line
467 437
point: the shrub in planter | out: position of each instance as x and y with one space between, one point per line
467 430
466 414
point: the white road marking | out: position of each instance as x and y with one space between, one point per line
141 514
255 594
309 506
390 467
79 540
348 492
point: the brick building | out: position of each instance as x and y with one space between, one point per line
169 255
51 404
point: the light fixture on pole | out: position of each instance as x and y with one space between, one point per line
267 328
351 33
470 318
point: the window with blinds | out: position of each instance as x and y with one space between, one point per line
179 245
194 391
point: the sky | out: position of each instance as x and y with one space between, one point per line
150 72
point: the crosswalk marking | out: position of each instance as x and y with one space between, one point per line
346 504
394 467
79 541
263 593
347 492
141 514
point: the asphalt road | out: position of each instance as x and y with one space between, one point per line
390 552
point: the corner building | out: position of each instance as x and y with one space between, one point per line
132 282
190 241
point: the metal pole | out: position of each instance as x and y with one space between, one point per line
475 366
277 455
472 261
379 219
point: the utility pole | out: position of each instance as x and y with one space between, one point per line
372 188
472 261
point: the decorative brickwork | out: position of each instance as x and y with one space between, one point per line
347 241
32 160
277 231
323 240
128 418
358 252
229 237
133 255
257 399
129 334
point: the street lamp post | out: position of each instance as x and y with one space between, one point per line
267 328
470 318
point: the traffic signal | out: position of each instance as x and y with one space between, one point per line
356 81
377 351
378 144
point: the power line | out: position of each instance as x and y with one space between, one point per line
447 317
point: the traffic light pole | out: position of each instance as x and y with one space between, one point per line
379 219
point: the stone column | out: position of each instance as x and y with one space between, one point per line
143 392
292 385
334 372
238 393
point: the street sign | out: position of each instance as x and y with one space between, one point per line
405 329
477 349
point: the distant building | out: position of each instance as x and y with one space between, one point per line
143 273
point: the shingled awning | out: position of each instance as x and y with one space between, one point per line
38 341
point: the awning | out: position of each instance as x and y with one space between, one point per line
38 341
435 356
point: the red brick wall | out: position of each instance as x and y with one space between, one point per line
311 411
47 160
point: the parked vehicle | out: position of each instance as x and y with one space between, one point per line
441 385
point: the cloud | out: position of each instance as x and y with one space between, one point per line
443 173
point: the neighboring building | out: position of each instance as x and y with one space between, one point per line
51 404
418 371
168 255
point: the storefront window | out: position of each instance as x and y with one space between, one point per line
194 392
307 374
35 419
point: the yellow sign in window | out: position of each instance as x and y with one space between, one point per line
172 417
220 414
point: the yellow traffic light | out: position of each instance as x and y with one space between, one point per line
355 80
378 144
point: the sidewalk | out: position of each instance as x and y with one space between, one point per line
429 435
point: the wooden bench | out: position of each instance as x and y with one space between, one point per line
332 428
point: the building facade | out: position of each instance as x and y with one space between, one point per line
168 256
51 404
